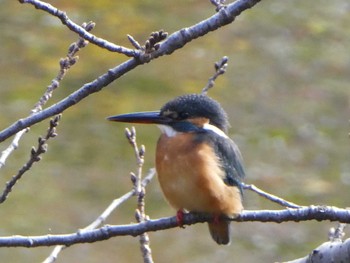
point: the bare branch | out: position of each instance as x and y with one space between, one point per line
102 218
13 146
65 64
134 42
319 213
140 192
175 41
78 29
270 197
139 155
220 68
35 156
331 251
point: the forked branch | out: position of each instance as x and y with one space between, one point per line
35 156
172 43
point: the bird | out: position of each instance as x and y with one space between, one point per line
200 169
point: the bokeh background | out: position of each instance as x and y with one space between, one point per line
285 90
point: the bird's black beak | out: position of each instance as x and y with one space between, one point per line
146 117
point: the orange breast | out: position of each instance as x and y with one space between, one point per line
191 179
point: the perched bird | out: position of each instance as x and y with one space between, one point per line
199 167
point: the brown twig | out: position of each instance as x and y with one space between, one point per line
104 215
140 192
81 31
220 68
173 42
65 64
35 156
151 45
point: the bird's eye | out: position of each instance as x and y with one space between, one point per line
175 115
171 114
183 115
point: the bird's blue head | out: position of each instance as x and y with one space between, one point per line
194 109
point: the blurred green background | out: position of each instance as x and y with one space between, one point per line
285 90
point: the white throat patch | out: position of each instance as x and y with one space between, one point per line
169 131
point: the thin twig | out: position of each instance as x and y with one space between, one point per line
270 197
220 68
35 156
337 234
139 155
134 42
81 31
219 4
172 43
140 192
104 215
65 64
13 146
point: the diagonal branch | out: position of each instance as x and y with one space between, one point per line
65 64
102 218
175 41
35 156
140 192
139 189
319 213
78 29
270 197
220 68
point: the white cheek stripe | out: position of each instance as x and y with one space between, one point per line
215 129
169 131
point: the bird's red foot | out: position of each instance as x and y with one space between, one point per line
216 219
180 218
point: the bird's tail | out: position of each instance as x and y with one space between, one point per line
220 232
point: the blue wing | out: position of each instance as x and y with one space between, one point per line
229 156
231 161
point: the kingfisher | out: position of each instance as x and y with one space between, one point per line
199 168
